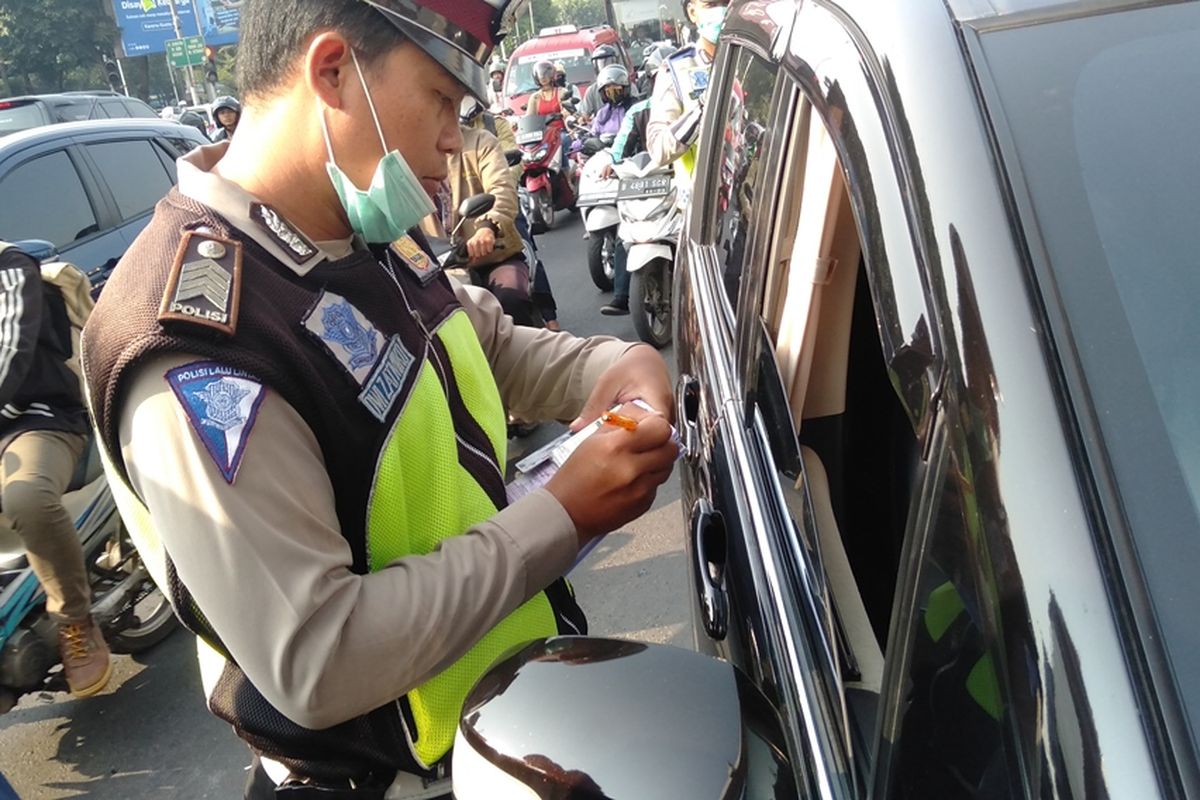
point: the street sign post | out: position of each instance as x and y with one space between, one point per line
186 52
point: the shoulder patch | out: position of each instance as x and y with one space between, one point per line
416 259
205 284
290 240
346 333
222 404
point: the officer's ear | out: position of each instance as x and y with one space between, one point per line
329 69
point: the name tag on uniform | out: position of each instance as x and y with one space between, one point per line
386 381
416 259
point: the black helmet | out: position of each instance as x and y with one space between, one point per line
604 55
543 72
227 102
460 35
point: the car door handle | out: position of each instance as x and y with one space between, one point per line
687 411
709 548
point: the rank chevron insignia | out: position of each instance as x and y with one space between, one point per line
205 279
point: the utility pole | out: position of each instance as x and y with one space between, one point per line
532 24
191 84
211 84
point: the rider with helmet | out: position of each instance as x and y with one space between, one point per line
603 56
496 86
613 86
227 111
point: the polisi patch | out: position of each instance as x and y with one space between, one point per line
387 380
346 333
204 289
416 259
222 404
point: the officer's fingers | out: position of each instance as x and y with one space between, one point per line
653 431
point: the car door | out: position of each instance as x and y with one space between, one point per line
46 192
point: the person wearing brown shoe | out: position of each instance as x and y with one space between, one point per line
43 434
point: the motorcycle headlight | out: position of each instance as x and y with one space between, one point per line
537 155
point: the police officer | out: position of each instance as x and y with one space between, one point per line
305 426
679 92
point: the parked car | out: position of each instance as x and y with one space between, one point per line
569 44
88 187
938 378
33 111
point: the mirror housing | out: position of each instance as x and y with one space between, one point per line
476 205
40 249
586 717
513 157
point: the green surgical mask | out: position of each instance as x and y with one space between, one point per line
709 22
394 202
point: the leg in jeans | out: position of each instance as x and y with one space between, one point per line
543 295
620 297
35 470
510 283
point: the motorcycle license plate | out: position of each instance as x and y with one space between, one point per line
637 188
529 137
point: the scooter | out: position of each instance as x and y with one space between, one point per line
132 612
546 186
598 205
650 224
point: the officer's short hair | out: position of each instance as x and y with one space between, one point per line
274 33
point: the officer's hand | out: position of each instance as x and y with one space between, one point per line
481 244
607 171
640 374
613 477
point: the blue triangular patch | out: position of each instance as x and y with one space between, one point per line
221 403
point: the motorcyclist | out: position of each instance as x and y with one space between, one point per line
613 85
227 111
496 86
551 98
680 89
603 56
473 115
43 433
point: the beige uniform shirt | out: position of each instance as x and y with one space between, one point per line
666 109
264 559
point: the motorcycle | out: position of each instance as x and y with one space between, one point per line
651 221
545 186
598 205
132 612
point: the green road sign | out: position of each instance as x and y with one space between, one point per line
186 51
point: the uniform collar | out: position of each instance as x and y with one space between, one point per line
253 218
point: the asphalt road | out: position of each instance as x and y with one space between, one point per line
150 736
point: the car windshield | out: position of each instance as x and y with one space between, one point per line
1103 114
19 117
577 62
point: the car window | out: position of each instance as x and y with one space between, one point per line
134 173
30 210
139 110
114 109
75 110
179 145
746 114
19 115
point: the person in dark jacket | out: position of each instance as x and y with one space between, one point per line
43 433
227 111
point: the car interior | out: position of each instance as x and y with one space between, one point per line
858 447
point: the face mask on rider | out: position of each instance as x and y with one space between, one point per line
709 22
394 202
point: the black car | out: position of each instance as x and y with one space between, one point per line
88 188
939 379
34 111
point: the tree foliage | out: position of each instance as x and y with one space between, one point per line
54 45
547 13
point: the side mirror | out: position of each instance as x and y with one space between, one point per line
607 139
476 205
513 157
593 145
40 249
586 717
524 106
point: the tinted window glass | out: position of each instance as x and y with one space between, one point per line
136 108
20 116
75 110
179 145
747 114
114 109
134 173
30 210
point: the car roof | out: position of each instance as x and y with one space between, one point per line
582 36
46 133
